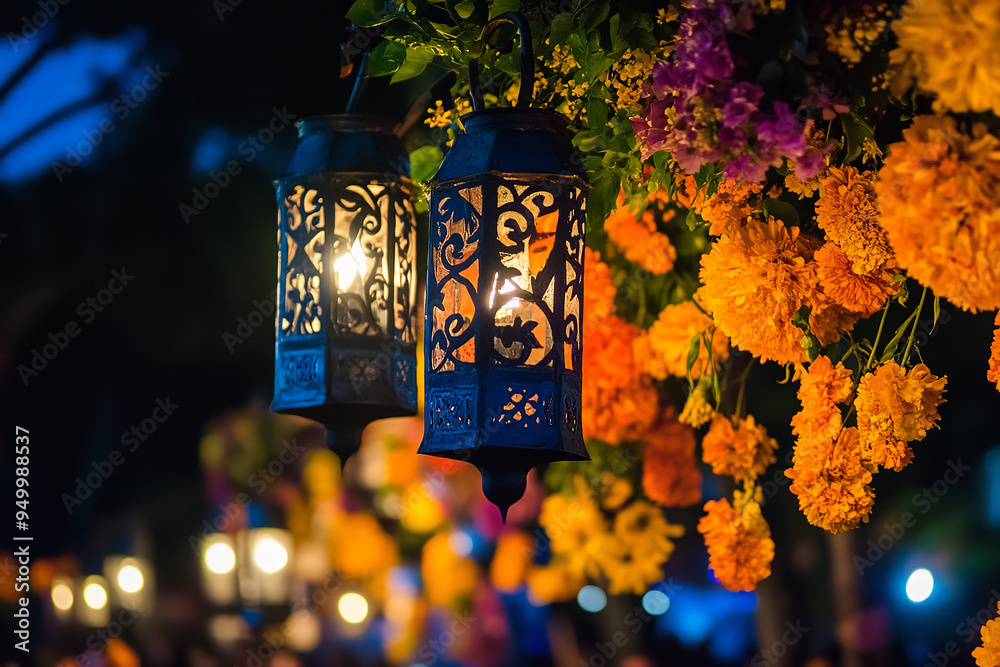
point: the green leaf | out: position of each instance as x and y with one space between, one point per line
937 311
694 349
593 14
424 162
782 210
890 348
368 13
856 130
465 9
386 58
503 6
560 28
415 63
810 344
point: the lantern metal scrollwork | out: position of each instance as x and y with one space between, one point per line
503 346
346 320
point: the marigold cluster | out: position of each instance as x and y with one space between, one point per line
728 208
639 239
832 481
670 474
738 447
740 548
854 35
755 280
988 655
938 193
448 578
821 388
619 400
847 212
697 410
948 48
637 548
663 348
993 374
894 407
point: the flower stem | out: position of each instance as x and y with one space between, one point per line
871 357
913 329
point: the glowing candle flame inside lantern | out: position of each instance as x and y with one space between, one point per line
349 267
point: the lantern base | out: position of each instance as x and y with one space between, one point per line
505 469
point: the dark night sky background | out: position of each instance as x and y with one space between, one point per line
163 335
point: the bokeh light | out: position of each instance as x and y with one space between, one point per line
920 585
353 608
270 555
220 558
655 602
130 579
95 596
591 598
62 597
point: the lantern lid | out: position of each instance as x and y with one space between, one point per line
347 143
512 140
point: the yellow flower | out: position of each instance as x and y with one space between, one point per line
635 552
846 211
832 481
740 548
575 528
988 655
615 494
894 407
854 36
663 348
948 47
938 193
697 410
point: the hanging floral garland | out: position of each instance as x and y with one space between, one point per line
770 181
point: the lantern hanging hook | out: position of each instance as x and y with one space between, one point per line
360 83
361 40
526 91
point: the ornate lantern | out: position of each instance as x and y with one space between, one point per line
504 292
346 318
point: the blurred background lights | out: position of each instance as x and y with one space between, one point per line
270 555
353 608
220 558
591 598
460 543
919 585
95 596
655 602
130 579
62 596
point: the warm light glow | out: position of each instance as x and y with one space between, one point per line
130 579
270 555
62 597
95 596
349 266
507 287
919 585
591 598
353 608
219 558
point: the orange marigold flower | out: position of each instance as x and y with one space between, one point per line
938 192
832 481
753 282
448 579
846 211
894 407
828 320
729 206
552 583
988 655
738 447
616 415
599 290
993 374
740 548
949 48
663 348
639 239
509 567
864 293
670 474
821 388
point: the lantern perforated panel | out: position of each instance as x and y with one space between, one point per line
504 300
346 348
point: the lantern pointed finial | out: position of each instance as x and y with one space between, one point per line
344 442
504 485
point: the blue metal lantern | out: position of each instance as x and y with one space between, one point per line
503 347
346 334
